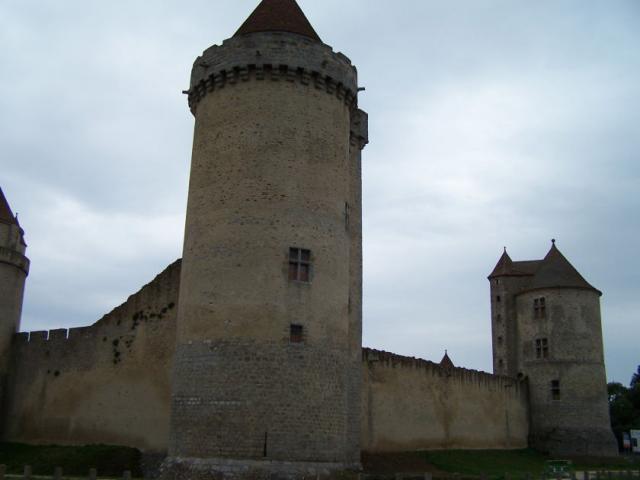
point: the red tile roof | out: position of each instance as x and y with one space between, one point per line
6 215
278 16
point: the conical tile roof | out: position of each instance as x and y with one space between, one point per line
556 271
278 16
503 267
507 267
6 215
446 361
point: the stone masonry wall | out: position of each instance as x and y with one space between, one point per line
270 172
574 420
413 404
107 383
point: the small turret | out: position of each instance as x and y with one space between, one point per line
14 268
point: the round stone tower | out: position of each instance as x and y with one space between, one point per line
550 319
14 268
266 372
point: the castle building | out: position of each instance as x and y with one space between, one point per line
546 327
245 356
269 328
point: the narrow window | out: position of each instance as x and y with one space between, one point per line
500 363
299 264
555 389
499 340
539 308
499 318
347 215
542 348
498 298
296 333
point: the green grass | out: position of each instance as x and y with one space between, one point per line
75 461
517 463
494 463
473 463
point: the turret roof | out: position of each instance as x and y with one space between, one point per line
553 271
6 215
278 16
446 361
556 271
507 267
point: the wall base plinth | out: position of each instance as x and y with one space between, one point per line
576 442
176 468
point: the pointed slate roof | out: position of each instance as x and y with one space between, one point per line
278 16
507 267
6 215
504 265
446 361
556 271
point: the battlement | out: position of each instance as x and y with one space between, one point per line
152 303
463 375
275 56
51 337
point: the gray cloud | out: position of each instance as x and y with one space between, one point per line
492 123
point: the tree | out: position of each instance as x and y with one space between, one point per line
635 379
624 406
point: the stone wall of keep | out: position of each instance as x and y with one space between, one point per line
413 404
271 170
108 383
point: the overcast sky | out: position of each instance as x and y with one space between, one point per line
492 123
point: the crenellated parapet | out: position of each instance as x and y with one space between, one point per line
273 56
104 383
463 375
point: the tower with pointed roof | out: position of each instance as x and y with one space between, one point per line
268 350
546 328
14 268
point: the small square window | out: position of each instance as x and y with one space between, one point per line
555 389
539 308
296 333
542 348
300 265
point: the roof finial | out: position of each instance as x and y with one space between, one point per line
505 249
553 241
